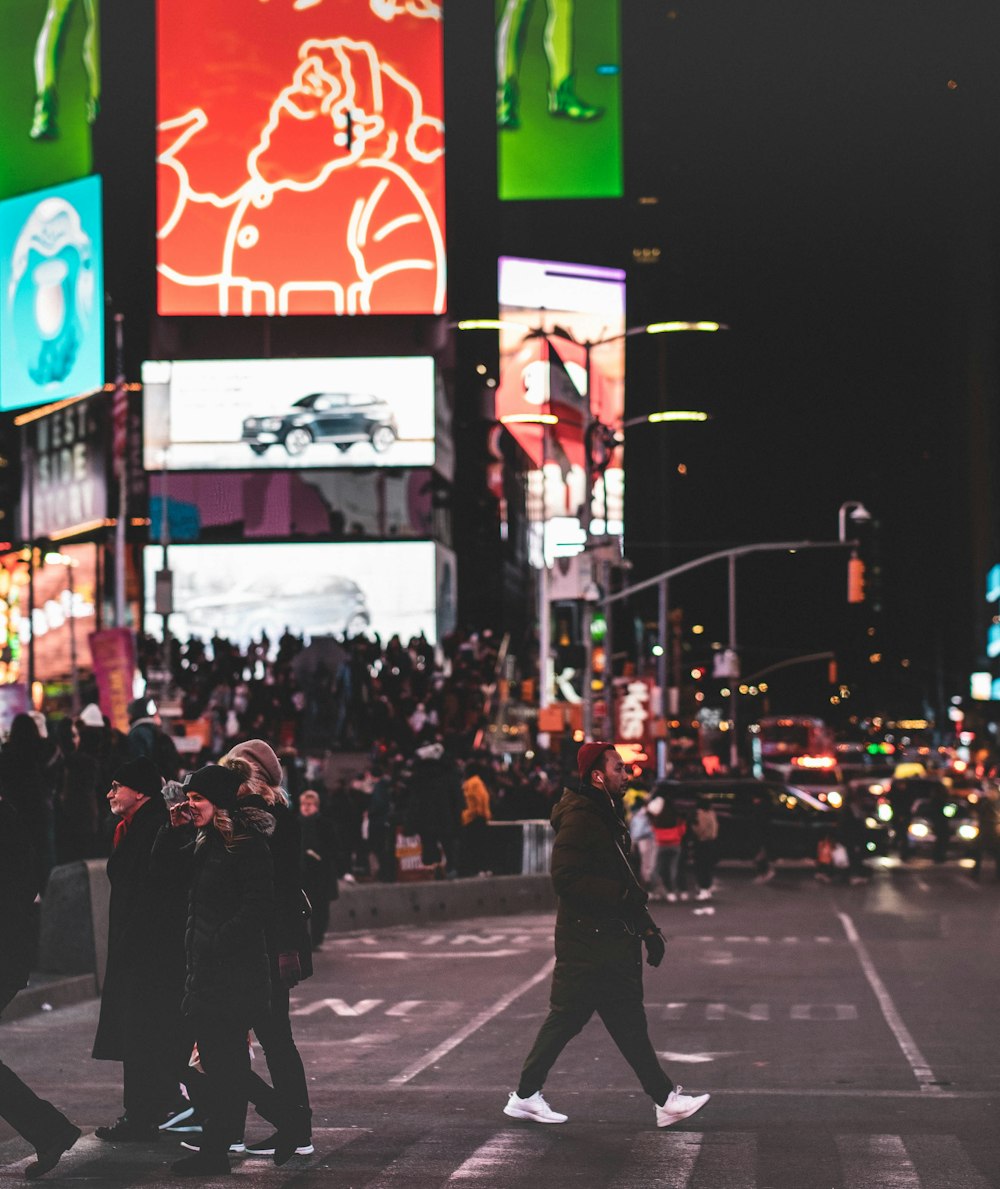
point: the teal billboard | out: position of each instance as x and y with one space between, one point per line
52 292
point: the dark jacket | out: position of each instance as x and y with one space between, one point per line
287 926
436 800
18 887
590 875
230 898
144 976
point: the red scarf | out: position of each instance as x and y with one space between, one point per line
120 831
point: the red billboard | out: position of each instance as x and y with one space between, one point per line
300 157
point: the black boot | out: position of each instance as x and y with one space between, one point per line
50 1153
295 1137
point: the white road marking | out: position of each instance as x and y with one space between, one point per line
472 1026
487 1164
943 1163
728 1160
917 1062
665 1159
876 1162
693 1058
407 955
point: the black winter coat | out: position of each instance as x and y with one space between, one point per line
18 887
590 874
144 975
287 926
230 898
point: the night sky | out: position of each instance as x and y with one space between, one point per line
826 191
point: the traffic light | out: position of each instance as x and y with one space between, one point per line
855 580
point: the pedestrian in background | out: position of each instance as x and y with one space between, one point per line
25 781
601 927
705 842
221 847
474 849
319 854
285 1103
669 828
45 1127
643 836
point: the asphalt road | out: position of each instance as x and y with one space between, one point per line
848 1036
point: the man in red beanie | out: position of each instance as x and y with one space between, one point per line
601 926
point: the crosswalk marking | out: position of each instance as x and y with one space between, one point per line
507 1150
664 1158
876 1162
943 1163
524 1155
728 1162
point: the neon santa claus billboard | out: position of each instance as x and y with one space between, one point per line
300 159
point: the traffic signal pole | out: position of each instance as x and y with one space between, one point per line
661 580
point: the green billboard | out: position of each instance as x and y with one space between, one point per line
50 89
558 99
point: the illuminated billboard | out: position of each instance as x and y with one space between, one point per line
50 92
558 99
64 614
550 311
300 165
51 294
238 591
319 505
252 413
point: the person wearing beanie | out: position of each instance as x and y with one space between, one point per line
221 849
602 925
140 1022
285 1102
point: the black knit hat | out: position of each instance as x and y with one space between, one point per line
216 784
140 775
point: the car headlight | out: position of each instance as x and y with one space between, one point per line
919 830
968 832
835 799
271 423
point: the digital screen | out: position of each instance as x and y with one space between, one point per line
300 157
277 413
237 591
50 91
52 294
558 99
65 612
227 505
550 311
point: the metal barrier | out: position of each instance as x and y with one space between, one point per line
521 847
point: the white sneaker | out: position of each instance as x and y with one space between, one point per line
679 1106
672 897
704 894
534 1108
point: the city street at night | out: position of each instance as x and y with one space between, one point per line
846 1035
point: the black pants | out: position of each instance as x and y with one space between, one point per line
286 1101
704 862
317 882
225 1058
38 1121
606 980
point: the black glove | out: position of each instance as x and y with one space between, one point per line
634 898
656 947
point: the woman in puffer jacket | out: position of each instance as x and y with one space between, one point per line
223 846
285 1103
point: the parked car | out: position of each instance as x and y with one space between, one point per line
795 818
340 418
